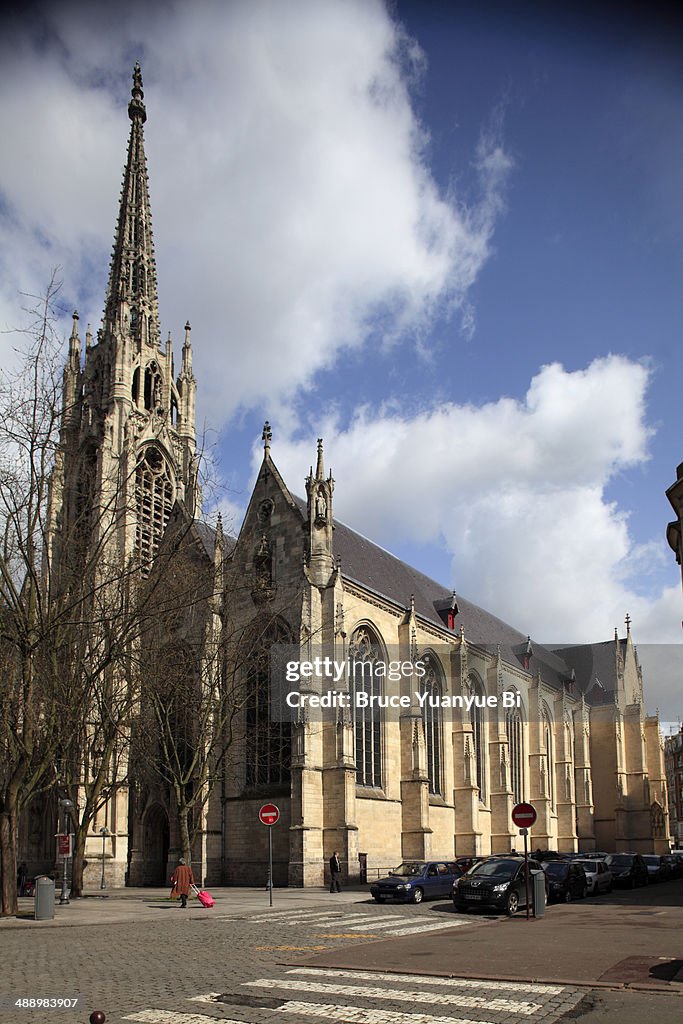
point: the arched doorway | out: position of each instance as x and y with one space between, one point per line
155 842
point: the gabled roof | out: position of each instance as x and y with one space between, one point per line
370 566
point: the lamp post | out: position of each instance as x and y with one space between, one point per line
104 832
67 806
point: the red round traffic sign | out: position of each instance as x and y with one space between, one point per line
269 814
523 815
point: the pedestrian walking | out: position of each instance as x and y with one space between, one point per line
181 879
335 873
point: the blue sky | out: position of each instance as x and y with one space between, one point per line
447 237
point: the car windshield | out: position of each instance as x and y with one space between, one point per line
501 868
409 869
589 866
652 860
621 861
556 869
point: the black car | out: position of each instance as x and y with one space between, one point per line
566 880
497 882
628 869
658 868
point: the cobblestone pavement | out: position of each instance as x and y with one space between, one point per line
186 968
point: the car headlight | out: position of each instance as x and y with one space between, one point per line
403 887
501 888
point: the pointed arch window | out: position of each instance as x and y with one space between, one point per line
154 494
365 652
513 729
268 742
547 746
432 722
153 389
478 733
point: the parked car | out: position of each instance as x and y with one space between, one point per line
497 882
598 875
566 880
465 864
627 869
416 880
658 868
675 865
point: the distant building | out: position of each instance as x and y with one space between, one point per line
674 531
673 760
379 784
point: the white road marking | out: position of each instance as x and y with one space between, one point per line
522 1007
355 924
172 1017
294 915
361 1015
422 979
413 929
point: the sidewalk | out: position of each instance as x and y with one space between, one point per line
588 943
118 906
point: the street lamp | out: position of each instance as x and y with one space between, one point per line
104 832
67 806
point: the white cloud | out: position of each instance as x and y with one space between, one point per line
292 199
516 492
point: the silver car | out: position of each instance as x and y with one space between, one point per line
598 876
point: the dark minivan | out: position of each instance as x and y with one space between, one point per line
497 882
416 880
566 880
628 869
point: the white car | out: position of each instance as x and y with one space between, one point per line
598 876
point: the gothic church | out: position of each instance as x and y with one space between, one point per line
376 786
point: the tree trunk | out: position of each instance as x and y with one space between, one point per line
8 862
183 824
78 863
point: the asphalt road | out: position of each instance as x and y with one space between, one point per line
317 957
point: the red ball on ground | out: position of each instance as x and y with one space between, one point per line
97 1017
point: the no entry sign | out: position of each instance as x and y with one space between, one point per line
269 814
523 815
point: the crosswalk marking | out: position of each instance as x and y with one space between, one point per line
360 1015
330 922
424 979
286 915
174 1017
393 927
522 1007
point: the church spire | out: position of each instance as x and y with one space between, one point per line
131 305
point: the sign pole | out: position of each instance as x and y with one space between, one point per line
270 865
525 833
269 815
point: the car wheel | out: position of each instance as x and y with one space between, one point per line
568 896
378 899
512 904
417 895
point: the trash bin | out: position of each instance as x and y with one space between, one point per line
538 892
45 899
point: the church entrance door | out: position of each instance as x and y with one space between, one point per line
155 848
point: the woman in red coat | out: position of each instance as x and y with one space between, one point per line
182 878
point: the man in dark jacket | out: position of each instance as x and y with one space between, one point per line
335 873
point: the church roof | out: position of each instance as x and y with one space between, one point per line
372 567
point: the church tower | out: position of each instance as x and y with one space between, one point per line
128 427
